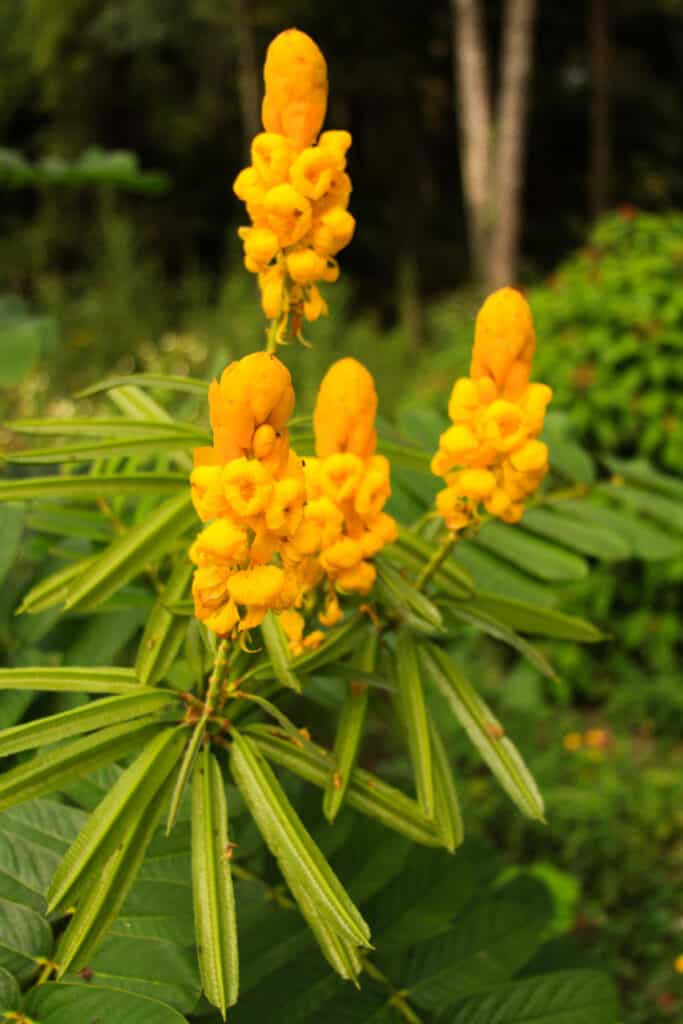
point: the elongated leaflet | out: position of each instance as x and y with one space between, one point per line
288 840
69 680
164 631
214 903
277 646
446 803
414 715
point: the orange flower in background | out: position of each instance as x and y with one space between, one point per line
491 454
296 189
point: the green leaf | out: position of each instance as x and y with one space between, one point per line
340 953
117 816
350 728
404 456
407 603
47 823
487 944
646 539
148 380
53 769
214 902
493 627
11 529
147 444
642 473
564 997
494 573
485 732
529 618
66 1003
665 510
84 524
10 993
185 770
446 804
147 967
451 576
293 848
25 869
94 487
537 557
107 889
366 792
24 937
277 646
94 426
585 538
130 553
415 721
54 588
164 631
70 679
94 715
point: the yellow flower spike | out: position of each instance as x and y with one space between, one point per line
295 76
344 416
288 214
271 156
504 342
311 173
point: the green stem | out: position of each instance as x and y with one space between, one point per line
216 678
435 561
271 336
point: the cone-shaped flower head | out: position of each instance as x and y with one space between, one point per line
344 416
504 342
295 76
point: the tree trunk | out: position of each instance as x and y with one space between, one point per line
248 77
474 106
510 141
599 184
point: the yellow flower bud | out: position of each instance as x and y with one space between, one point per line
305 266
221 542
344 416
260 245
271 156
504 342
311 172
288 214
333 231
359 579
295 76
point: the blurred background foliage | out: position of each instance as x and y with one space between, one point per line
114 262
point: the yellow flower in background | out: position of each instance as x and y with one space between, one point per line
249 487
296 189
491 454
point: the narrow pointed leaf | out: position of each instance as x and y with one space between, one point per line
53 589
485 731
94 715
400 594
584 538
530 618
414 716
101 904
538 557
214 902
185 771
94 426
69 680
446 804
493 627
129 554
341 954
164 631
277 646
149 444
290 843
366 792
81 486
52 770
350 728
118 812
148 380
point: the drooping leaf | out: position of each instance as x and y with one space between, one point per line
214 902
530 618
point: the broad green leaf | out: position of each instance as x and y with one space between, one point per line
24 936
50 824
164 631
119 814
647 540
489 624
295 851
53 769
69 1003
106 893
350 728
564 997
487 944
446 804
540 558
495 574
147 967
585 538
277 646
148 380
94 426
214 902
94 487
366 792
415 721
485 731
157 910
129 554
95 715
11 529
10 993
70 679
25 869
148 444
665 510
529 618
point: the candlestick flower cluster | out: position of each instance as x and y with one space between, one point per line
491 455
